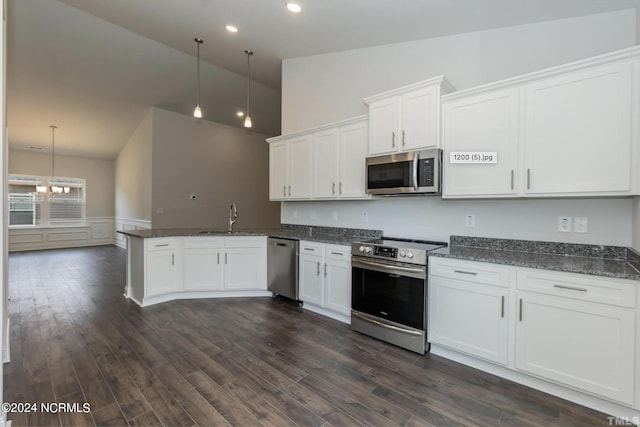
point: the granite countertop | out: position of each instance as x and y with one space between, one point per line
331 235
606 261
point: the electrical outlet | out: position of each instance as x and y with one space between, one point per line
564 224
470 220
581 224
365 216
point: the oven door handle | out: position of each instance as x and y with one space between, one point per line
384 325
390 268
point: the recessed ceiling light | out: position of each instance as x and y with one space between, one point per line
294 7
232 28
240 113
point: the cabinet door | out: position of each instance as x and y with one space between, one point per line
242 269
585 345
160 274
578 132
353 152
337 286
420 119
311 279
469 317
486 122
384 123
300 152
325 163
278 170
202 269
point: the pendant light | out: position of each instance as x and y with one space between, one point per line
247 119
197 112
54 188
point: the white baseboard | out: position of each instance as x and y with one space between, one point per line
148 301
328 313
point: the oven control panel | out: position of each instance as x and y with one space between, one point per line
385 252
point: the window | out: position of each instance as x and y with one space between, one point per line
27 207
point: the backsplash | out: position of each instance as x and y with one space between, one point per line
332 231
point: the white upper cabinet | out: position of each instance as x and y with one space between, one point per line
484 122
327 162
567 131
577 131
407 118
290 168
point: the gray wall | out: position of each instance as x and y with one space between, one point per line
133 174
219 164
98 173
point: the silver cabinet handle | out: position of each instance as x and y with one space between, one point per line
289 190
571 288
284 190
520 309
528 179
310 249
173 258
473 273
403 144
161 245
218 258
502 307
340 188
333 188
512 179
318 269
325 269
393 139
225 258
337 253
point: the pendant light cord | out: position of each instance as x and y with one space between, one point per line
53 151
198 42
249 53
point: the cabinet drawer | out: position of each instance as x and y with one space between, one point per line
160 244
245 242
578 286
337 252
478 272
203 242
311 248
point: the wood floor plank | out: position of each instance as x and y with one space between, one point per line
232 361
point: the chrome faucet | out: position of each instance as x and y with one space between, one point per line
233 216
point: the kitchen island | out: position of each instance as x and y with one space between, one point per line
182 263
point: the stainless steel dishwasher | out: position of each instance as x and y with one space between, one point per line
282 267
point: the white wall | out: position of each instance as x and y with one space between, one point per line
636 223
98 173
431 217
217 163
326 88
133 175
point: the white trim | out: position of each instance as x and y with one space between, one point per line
547 387
125 224
96 231
445 87
147 301
318 128
328 313
6 348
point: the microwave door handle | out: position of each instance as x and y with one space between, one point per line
415 172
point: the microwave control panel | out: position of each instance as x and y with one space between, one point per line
426 175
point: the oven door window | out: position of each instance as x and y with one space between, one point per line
389 175
388 296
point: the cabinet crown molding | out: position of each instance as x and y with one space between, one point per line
607 58
318 128
445 87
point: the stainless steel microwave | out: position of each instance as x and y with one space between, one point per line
414 172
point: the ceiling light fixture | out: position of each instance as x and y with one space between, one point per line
247 119
294 7
197 112
232 28
240 113
52 188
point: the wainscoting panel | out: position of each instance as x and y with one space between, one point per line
127 224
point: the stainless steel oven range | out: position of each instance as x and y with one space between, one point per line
389 290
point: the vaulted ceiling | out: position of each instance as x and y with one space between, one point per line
95 67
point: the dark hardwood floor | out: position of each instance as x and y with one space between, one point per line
240 361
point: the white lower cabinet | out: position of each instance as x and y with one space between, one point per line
202 267
566 335
161 269
574 330
325 279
